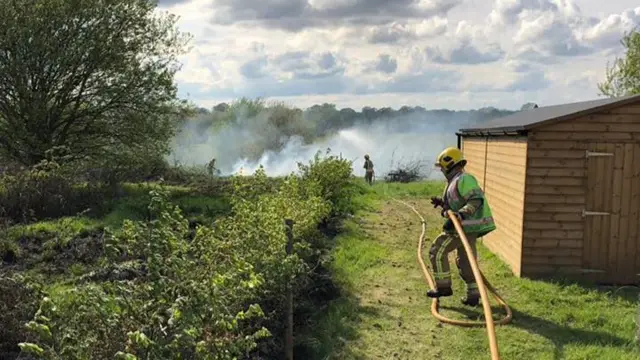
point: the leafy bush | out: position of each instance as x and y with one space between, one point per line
334 177
181 174
638 324
46 190
126 165
168 310
215 294
18 301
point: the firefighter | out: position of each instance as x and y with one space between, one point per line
464 197
211 167
368 166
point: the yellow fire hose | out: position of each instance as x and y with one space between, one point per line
482 282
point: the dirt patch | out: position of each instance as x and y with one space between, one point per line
40 249
85 250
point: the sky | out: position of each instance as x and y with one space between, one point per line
454 54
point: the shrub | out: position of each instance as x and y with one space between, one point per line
638 324
45 190
333 176
18 301
216 293
127 165
170 310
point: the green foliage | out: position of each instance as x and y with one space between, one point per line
93 75
18 301
42 191
333 175
637 339
127 164
216 292
181 174
623 78
169 310
252 188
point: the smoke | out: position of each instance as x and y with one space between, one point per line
248 142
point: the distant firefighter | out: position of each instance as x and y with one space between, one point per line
211 166
368 166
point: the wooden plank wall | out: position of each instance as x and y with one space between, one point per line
474 150
505 190
556 190
499 164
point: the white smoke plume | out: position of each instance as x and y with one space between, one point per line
404 138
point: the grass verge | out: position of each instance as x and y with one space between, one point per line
383 311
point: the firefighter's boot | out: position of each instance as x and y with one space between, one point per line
440 292
471 299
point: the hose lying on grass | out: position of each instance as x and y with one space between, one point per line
482 282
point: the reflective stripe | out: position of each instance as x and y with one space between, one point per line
472 193
452 192
472 286
486 220
439 273
481 220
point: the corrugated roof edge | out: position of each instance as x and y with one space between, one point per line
522 129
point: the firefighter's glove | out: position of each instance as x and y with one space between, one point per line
436 201
448 225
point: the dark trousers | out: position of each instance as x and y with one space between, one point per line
439 257
368 176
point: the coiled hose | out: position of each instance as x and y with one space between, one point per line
482 282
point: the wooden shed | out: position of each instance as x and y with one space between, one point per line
564 186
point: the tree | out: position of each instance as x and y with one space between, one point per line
94 76
623 78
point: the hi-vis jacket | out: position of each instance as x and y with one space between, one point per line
462 190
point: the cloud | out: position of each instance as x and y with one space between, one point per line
386 64
406 31
292 73
549 32
294 15
510 76
167 3
298 73
529 81
519 66
558 28
464 52
507 12
469 45
254 69
388 52
606 33
426 81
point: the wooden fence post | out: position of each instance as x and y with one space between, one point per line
288 223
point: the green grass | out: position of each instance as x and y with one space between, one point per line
384 190
46 229
134 205
50 233
33 247
384 313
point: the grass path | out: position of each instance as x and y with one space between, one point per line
384 313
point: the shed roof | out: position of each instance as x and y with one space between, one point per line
527 119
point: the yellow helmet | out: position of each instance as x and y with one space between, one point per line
449 158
